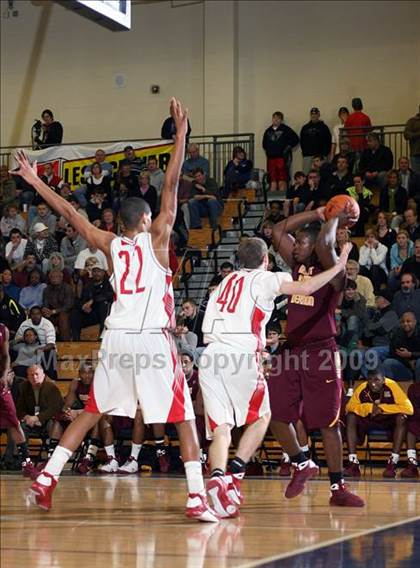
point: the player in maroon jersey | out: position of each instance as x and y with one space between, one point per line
8 418
307 377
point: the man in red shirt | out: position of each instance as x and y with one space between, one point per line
359 122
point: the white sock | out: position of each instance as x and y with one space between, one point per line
286 457
395 457
135 450
305 448
194 475
353 458
92 451
55 464
412 454
110 451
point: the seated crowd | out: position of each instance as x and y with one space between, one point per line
53 284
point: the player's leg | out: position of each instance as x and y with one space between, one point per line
411 470
398 437
106 428
132 465
161 452
353 467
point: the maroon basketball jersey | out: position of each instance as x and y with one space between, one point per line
311 318
2 334
82 392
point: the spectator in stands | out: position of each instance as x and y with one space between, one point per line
42 244
184 195
183 337
195 161
377 404
372 260
23 270
266 233
11 313
147 192
100 158
56 262
15 248
386 235
316 192
375 162
273 344
168 130
378 328
225 269
343 237
237 172
52 131
234 259
403 363
8 193
98 179
393 198
273 213
408 298
58 300
70 246
88 252
50 178
193 319
409 180
108 222
411 224
278 143
337 132
74 202
364 285
96 204
204 201
32 294
353 310
413 433
12 220
412 134
293 203
412 264
126 183
358 124
45 217
28 353
345 152
400 251
136 164
156 174
39 402
95 303
65 191
362 195
341 179
315 138
9 287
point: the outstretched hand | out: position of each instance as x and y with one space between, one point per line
26 170
344 255
180 116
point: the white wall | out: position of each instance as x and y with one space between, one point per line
233 63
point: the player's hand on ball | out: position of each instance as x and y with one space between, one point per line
321 213
26 170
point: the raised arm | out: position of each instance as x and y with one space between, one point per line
162 226
96 237
308 287
283 240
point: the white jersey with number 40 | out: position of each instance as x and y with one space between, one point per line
240 307
143 287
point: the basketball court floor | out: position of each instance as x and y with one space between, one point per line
138 522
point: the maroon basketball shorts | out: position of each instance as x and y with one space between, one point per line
385 422
306 383
8 418
276 168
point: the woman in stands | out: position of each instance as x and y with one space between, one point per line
400 251
98 178
372 260
386 235
28 353
56 262
343 236
108 222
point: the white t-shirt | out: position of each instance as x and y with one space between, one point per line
240 307
17 255
336 136
87 253
45 330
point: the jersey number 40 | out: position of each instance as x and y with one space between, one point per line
231 293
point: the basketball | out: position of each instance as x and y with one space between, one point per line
338 203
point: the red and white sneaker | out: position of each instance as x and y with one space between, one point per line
301 474
130 466
41 495
85 465
164 461
411 470
390 471
342 497
110 466
198 508
217 488
234 487
29 469
352 470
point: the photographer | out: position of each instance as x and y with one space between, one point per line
46 133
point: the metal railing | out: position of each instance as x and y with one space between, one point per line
391 135
217 148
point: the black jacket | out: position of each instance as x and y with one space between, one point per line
276 141
53 135
401 199
168 130
315 138
380 161
400 339
338 186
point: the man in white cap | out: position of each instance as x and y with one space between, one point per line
41 244
44 216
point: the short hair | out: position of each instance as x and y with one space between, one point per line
180 319
226 264
35 307
357 104
132 210
351 284
198 171
312 171
279 114
376 370
189 301
251 252
85 365
353 263
299 174
311 230
373 136
128 148
15 231
47 111
273 328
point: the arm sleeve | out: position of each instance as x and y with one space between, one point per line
379 254
394 257
50 336
363 255
354 405
402 404
54 404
